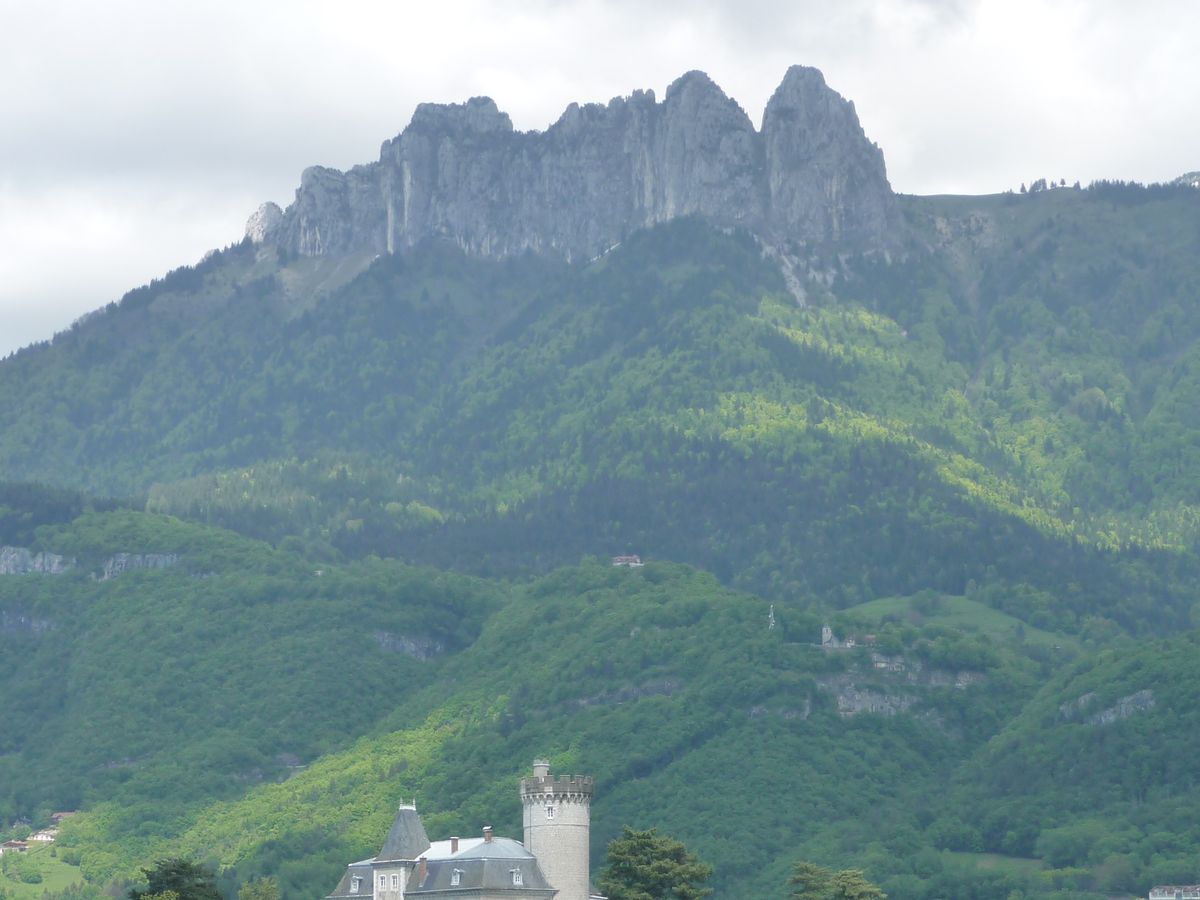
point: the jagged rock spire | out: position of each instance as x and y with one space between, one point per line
460 172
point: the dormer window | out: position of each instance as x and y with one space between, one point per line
549 812
355 882
516 875
456 877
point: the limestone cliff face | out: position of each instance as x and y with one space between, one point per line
20 621
264 223
130 562
824 178
460 172
22 561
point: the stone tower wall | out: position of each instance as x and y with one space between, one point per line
557 818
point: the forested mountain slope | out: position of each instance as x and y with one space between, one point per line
220 666
376 490
675 398
244 708
187 710
1090 776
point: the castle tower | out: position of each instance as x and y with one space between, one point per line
393 867
557 816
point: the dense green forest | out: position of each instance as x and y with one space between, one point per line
383 500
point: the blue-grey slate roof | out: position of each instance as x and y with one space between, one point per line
482 865
487 866
361 870
406 839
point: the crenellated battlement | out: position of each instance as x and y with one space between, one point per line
557 818
558 784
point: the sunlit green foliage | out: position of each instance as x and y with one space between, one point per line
191 683
569 667
812 882
259 889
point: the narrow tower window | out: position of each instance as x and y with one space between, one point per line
549 812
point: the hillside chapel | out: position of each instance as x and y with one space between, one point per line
551 864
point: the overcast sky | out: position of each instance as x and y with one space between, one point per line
134 136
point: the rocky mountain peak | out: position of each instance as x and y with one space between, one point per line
697 98
811 115
824 175
693 83
801 85
264 222
460 172
479 115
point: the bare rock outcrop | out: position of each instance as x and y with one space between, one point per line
825 180
18 621
462 173
1137 702
22 561
129 562
422 648
1123 708
892 685
263 223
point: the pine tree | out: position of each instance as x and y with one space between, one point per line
851 884
643 865
182 878
813 882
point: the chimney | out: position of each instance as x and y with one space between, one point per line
422 869
541 768
487 834
454 844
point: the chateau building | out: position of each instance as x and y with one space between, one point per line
551 864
